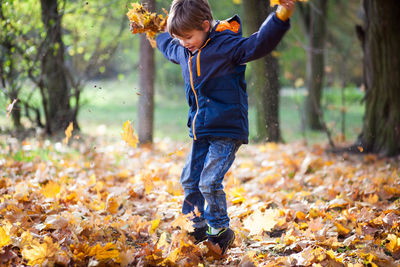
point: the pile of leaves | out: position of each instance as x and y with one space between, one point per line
103 203
143 21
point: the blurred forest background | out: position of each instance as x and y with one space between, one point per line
77 61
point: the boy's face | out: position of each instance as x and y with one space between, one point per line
193 40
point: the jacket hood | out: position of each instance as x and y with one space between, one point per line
231 26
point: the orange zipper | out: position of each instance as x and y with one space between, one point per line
198 58
194 91
192 85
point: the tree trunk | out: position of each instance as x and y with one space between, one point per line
56 92
9 78
146 83
380 40
266 72
316 33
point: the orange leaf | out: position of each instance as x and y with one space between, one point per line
278 2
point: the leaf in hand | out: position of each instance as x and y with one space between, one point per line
143 21
278 2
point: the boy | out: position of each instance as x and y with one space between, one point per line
212 55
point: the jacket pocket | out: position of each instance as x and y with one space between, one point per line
219 115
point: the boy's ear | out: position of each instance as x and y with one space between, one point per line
206 26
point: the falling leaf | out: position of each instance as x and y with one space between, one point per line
68 132
10 107
299 82
128 136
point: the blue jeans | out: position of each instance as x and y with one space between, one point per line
202 178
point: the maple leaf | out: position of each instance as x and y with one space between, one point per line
259 221
128 136
38 253
4 237
10 107
68 132
183 222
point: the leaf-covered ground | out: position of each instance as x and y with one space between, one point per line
103 204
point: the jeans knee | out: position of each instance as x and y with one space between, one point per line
209 187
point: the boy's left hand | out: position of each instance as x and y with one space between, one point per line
285 9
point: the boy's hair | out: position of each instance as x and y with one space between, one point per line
188 15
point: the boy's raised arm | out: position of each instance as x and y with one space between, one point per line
169 47
262 42
269 35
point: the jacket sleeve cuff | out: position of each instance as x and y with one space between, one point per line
279 21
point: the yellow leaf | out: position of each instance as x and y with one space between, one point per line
51 189
4 237
127 134
341 229
183 222
68 132
108 252
162 242
394 243
259 221
154 225
112 204
37 253
299 82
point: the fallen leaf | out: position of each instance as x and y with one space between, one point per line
261 221
4 237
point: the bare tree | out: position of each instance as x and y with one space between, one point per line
146 83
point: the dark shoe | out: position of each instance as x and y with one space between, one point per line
199 234
224 238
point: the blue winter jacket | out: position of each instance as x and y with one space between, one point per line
215 75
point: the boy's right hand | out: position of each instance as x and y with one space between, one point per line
285 9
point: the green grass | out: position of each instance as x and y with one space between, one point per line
107 104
